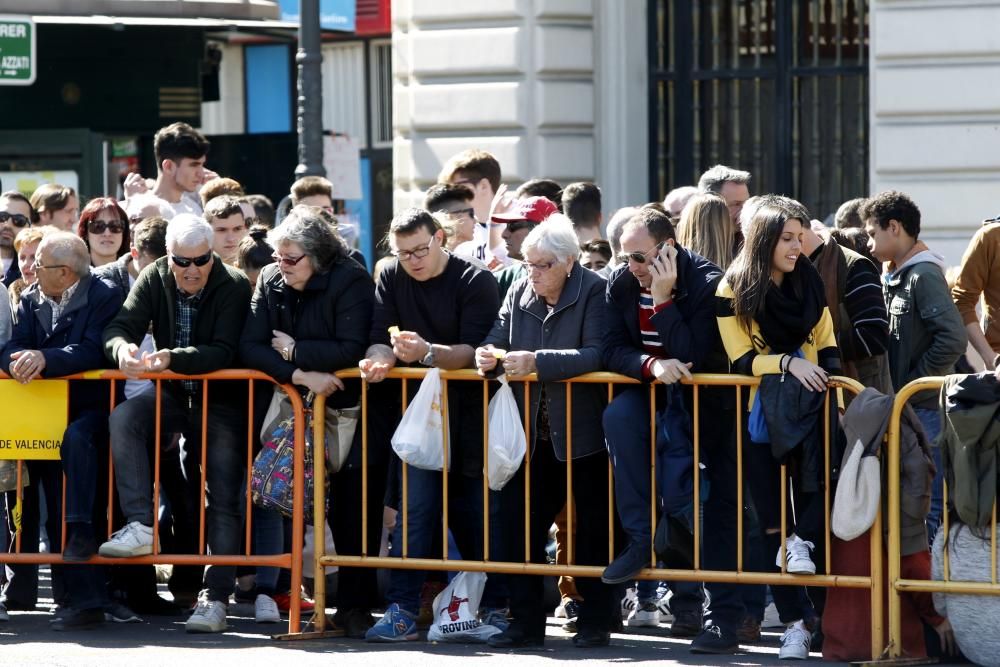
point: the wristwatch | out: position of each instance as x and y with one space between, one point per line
428 359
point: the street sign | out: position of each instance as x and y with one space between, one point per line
17 51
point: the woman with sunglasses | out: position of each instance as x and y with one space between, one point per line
103 226
550 325
773 318
310 316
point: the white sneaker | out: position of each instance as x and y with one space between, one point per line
645 615
208 616
795 642
797 560
135 539
3 613
265 609
629 602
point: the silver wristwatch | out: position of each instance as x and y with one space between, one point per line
428 359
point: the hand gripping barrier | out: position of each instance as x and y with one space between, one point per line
222 382
873 582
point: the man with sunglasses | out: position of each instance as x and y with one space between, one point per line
198 307
661 326
439 308
16 213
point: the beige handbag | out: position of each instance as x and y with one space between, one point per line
340 426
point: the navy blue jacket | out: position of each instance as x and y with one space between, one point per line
74 344
12 274
687 328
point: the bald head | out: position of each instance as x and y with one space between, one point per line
63 248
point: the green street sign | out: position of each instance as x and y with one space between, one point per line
17 51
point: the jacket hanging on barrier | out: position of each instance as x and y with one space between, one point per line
970 443
795 417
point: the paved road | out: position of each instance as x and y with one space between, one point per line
27 641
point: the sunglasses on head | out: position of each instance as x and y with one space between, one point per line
100 226
16 219
639 257
184 262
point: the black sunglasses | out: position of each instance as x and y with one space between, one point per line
184 262
99 227
639 257
515 227
17 219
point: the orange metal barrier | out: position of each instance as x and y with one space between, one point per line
896 583
874 582
292 561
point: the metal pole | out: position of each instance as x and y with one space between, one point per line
310 92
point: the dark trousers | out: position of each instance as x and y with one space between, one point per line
764 477
84 460
357 587
548 497
132 440
21 591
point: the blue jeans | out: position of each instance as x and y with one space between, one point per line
931 421
424 508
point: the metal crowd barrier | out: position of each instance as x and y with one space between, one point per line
291 561
896 583
873 582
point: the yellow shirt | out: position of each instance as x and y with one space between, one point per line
739 343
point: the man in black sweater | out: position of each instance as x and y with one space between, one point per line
439 307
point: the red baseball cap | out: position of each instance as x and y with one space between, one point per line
532 209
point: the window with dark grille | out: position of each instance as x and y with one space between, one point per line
777 88
381 87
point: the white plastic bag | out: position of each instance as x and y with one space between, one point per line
419 438
507 444
455 611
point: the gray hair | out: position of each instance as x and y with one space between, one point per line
717 176
616 226
67 249
187 230
308 227
677 199
140 204
556 236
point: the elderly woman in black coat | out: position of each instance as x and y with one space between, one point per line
551 324
309 317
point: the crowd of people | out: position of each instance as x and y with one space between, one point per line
192 275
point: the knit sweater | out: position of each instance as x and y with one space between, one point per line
980 276
973 617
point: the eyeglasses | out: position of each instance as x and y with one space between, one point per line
16 219
287 261
184 262
418 253
100 226
39 267
471 212
541 267
639 257
515 227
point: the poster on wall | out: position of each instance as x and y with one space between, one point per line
342 161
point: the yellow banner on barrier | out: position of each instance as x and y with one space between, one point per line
33 418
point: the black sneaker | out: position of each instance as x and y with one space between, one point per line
714 639
84 619
636 556
686 624
591 638
80 543
116 612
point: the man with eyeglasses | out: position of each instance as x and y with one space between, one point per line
439 307
58 333
198 306
16 213
661 326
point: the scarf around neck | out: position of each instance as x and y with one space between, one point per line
792 311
